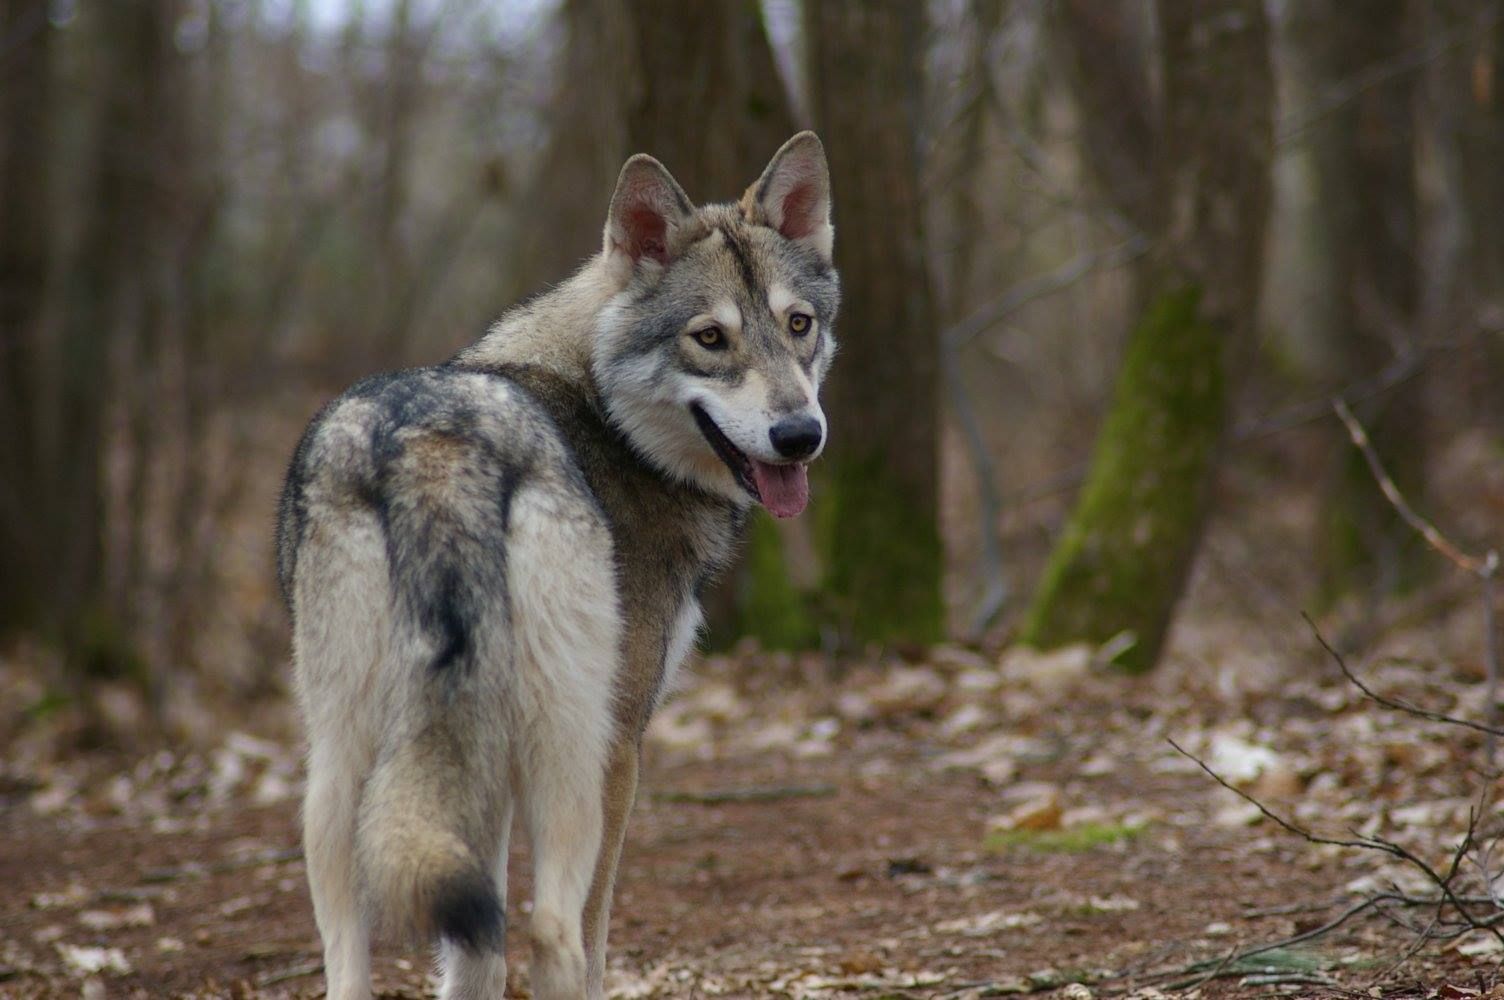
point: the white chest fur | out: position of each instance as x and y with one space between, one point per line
681 641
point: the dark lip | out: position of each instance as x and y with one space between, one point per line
736 460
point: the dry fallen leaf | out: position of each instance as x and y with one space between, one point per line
87 961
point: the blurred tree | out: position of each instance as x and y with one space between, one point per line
205 88
695 85
565 205
1363 141
877 517
1467 109
116 301
707 99
25 133
716 59
1476 96
1193 172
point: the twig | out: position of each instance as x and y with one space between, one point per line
1491 653
1286 910
1041 286
725 795
1448 897
1215 971
294 972
1280 978
1399 370
201 870
1485 568
1391 703
994 575
1409 61
1404 366
1426 529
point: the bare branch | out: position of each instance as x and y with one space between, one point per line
1433 537
1042 286
1390 703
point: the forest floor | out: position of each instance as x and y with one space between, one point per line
955 826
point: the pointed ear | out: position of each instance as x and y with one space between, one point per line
646 208
793 195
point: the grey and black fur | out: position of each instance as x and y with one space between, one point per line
494 566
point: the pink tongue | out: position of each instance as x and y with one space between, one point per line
784 488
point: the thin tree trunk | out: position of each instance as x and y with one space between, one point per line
565 205
715 58
878 505
1365 159
25 120
1469 103
204 193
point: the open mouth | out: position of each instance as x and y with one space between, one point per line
782 488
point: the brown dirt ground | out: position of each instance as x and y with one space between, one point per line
856 879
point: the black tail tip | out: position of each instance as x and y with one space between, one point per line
467 912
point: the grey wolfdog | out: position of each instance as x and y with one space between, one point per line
493 567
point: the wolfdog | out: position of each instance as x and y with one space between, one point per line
494 565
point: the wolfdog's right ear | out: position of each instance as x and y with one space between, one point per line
646 208
793 195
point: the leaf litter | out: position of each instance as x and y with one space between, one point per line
963 824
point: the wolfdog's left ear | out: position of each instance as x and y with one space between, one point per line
646 208
793 195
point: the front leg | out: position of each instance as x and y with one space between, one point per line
620 792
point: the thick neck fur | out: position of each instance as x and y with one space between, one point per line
554 331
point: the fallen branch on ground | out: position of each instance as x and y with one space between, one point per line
777 793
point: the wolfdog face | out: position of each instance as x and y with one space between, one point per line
710 358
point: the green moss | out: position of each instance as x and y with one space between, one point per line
101 647
880 547
770 607
1076 840
45 707
1121 562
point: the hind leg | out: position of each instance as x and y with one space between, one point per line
568 631
482 975
329 811
564 820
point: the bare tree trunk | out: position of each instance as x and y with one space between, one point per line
1102 47
715 58
1479 94
25 119
878 512
707 99
561 225
1123 558
203 193
1365 158
103 297
396 115
1468 108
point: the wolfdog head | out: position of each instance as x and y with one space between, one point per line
711 355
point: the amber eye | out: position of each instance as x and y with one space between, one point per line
711 337
799 324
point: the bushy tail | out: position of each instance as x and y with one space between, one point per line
419 875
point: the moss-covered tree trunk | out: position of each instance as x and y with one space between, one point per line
876 507
1124 556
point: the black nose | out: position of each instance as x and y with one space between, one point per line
796 437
